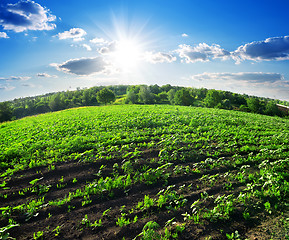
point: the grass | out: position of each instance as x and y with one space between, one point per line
200 170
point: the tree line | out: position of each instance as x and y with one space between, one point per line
138 94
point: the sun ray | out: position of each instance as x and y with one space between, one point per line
129 39
127 54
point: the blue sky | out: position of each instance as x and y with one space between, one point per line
239 46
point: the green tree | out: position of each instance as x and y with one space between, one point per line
212 98
56 102
226 104
145 95
19 112
272 109
135 88
171 96
42 107
200 93
163 96
131 97
30 106
105 96
155 89
238 99
254 104
183 97
86 97
244 108
5 112
166 87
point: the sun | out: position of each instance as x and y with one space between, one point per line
127 54
127 44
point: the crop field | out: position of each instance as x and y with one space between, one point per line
145 172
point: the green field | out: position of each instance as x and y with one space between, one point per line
145 172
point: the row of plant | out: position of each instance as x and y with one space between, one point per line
183 169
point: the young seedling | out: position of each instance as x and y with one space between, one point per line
268 207
149 231
33 182
57 230
234 235
96 223
105 213
122 221
38 235
85 221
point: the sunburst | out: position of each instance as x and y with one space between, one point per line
127 54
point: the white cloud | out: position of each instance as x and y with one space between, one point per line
74 33
82 66
202 52
46 75
87 47
185 35
3 35
13 78
159 57
26 15
111 47
276 48
98 41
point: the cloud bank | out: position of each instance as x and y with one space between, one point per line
74 33
276 48
159 57
82 66
253 77
201 53
271 49
13 78
98 41
26 15
6 86
45 75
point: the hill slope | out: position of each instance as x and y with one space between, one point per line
138 171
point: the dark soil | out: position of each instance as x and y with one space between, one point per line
68 218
